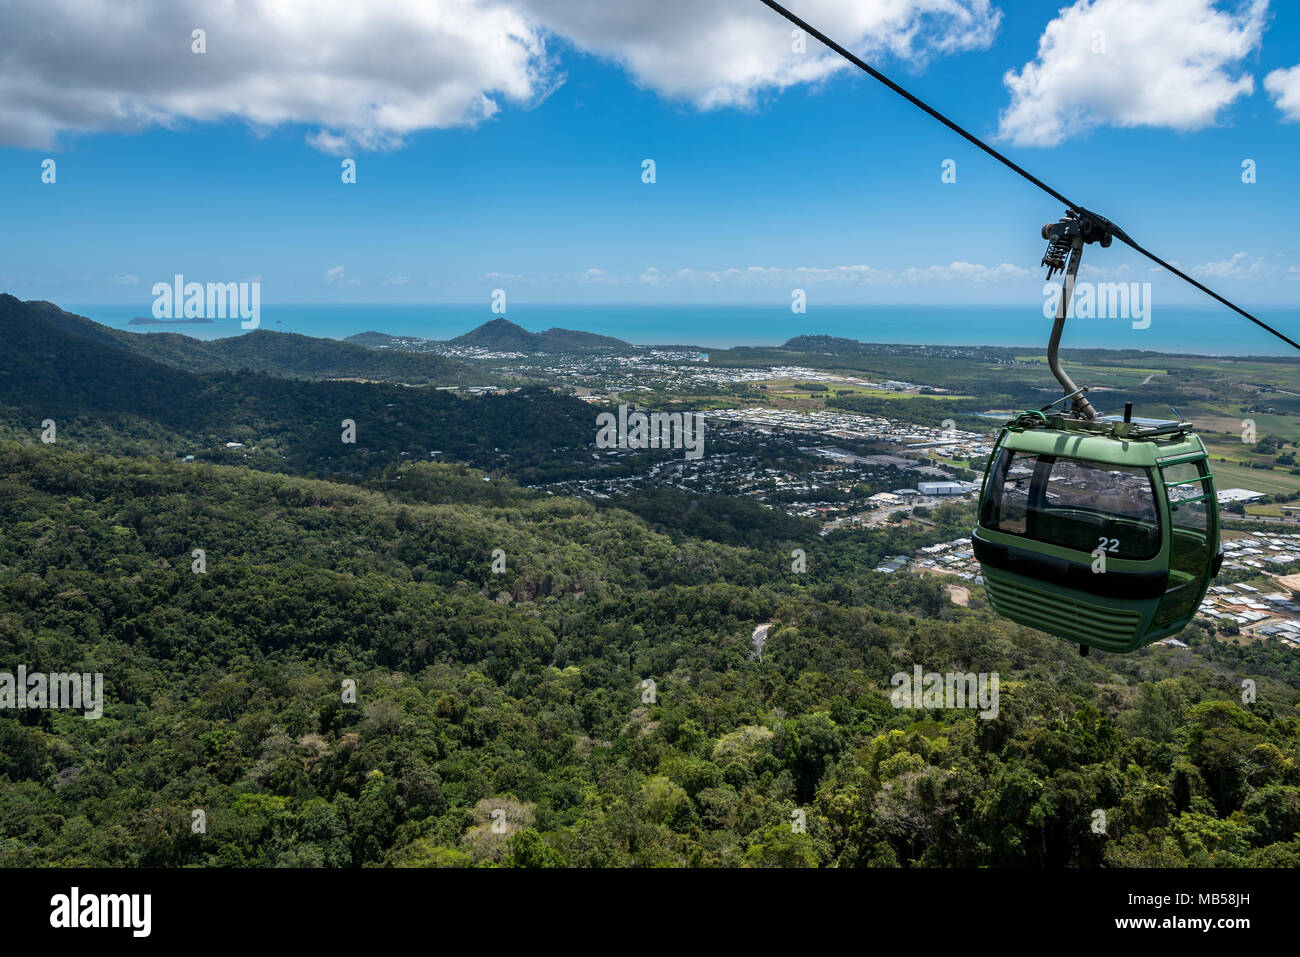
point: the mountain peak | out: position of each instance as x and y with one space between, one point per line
502 335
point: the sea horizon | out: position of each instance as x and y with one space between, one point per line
1187 330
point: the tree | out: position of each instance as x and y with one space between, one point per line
781 846
528 849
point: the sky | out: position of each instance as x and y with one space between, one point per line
500 144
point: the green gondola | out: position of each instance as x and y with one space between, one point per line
1102 530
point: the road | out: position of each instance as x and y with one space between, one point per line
1263 519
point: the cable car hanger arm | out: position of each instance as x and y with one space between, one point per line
1105 224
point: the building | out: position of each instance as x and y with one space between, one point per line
945 488
1227 495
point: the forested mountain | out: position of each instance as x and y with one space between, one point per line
274 353
47 369
556 339
502 335
819 343
523 696
587 674
117 399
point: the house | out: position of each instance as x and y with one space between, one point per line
945 488
1227 495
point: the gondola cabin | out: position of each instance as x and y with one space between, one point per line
1104 532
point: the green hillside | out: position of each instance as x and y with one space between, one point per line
114 399
274 353
523 694
585 674
502 335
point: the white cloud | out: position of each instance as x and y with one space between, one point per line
126 280
395 281
601 277
1284 87
963 272
334 276
815 275
720 54
776 274
1129 63
364 76
330 143
1239 266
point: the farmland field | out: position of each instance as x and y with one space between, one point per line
1271 482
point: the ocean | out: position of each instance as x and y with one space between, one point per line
1200 330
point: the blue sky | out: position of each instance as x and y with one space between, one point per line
833 185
